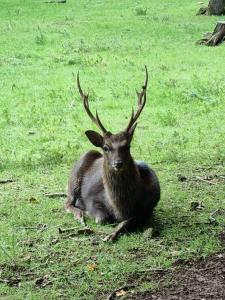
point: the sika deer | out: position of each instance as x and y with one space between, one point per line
112 187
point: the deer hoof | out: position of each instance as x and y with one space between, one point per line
82 220
80 217
110 238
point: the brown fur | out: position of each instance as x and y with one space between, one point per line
107 195
113 187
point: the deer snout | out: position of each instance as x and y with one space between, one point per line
118 164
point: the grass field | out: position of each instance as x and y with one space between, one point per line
42 124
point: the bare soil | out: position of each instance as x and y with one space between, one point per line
194 280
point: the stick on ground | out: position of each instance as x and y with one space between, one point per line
3 181
55 195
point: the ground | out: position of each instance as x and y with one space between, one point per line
44 252
201 279
196 279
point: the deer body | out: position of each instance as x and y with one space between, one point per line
112 187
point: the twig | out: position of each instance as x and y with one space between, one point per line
43 226
55 195
68 229
152 270
213 213
40 228
3 181
212 219
28 274
207 179
81 231
113 294
204 180
205 269
10 281
31 227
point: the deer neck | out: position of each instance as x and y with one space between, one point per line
122 188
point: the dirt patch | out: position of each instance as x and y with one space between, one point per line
201 280
222 239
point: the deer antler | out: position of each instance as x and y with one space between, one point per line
141 102
84 97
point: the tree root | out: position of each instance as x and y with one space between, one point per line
216 37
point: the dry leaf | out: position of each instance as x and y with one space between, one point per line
92 267
27 258
121 293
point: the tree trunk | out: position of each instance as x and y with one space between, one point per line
216 7
215 38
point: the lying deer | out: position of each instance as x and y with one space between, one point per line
113 187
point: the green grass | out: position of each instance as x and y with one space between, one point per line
42 124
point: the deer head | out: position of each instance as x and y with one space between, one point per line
116 147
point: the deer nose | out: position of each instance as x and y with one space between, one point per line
118 164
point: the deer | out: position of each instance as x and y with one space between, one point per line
111 187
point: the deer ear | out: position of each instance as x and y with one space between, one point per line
95 138
131 131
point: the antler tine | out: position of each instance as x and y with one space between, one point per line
78 85
84 97
141 102
100 123
131 120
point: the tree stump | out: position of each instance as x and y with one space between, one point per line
215 38
215 7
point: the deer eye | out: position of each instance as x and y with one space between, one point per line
106 148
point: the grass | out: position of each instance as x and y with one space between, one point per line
42 124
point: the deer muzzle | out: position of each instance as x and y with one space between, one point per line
117 165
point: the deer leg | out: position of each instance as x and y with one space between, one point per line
98 211
77 212
121 227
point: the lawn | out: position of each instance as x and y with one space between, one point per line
181 134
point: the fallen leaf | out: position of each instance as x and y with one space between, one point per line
92 267
175 253
27 258
120 293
